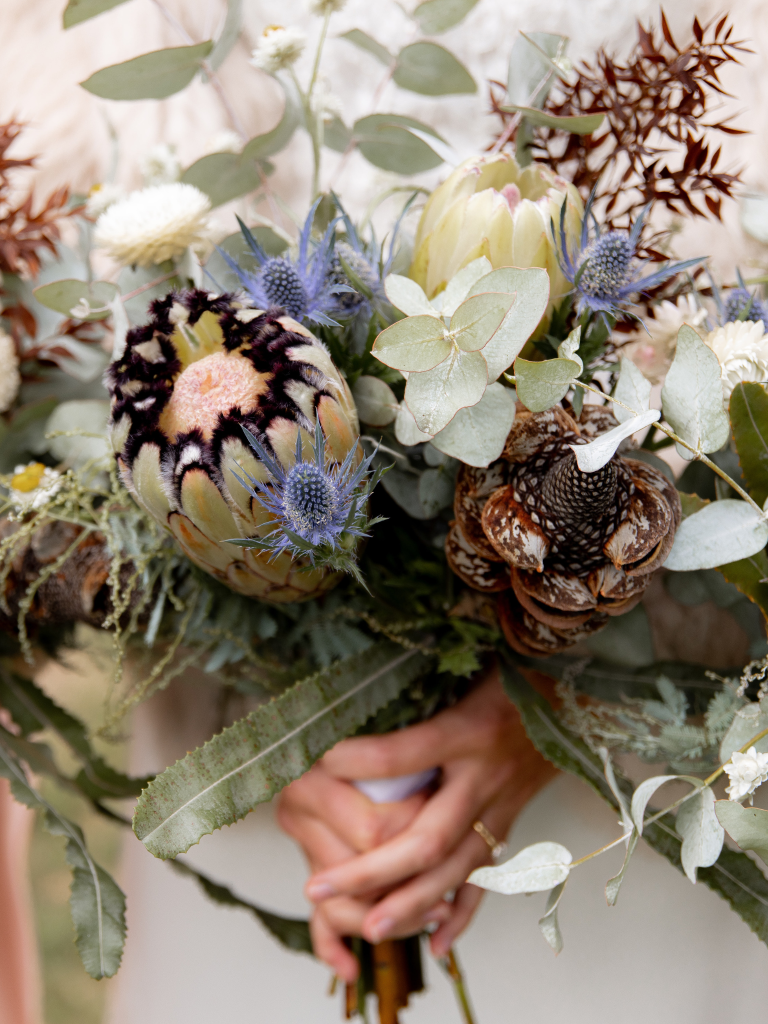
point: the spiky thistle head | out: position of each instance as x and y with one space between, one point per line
741 304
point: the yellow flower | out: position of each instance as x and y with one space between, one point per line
32 485
491 207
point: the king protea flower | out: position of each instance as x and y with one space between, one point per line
202 369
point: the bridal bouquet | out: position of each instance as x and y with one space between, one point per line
343 467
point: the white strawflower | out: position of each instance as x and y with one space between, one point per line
161 166
101 197
323 7
325 103
746 772
225 141
9 372
278 48
742 350
32 485
653 351
154 224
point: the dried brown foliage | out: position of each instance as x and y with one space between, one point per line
25 233
654 144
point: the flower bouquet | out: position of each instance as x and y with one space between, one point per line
344 475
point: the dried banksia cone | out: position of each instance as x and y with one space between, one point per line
203 368
563 548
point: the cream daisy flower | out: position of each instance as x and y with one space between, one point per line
32 485
101 197
278 48
10 378
746 772
154 224
652 351
742 350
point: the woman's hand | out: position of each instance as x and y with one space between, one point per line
383 871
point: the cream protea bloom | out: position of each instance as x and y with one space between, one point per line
490 207
9 372
652 350
746 772
154 224
278 48
32 485
742 349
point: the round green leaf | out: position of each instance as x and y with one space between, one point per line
417 343
478 318
540 385
223 176
477 435
436 16
692 396
65 296
431 70
436 396
152 76
530 286
386 142
375 401
407 296
365 42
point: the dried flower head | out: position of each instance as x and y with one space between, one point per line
161 165
101 197
741 304
278 48
652 347
742 350
746 772
10 378
154 224
31 486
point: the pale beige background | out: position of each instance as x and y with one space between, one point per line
668 950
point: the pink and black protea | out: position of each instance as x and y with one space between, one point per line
201 370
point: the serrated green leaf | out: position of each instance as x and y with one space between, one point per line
477 435
478 318
540 385
365 42
747 826
436 16
152 76
228 35
415 344
431 70
78 11
692 396
583 124
386 142
436 396
749 422
721 532
64 296
250 761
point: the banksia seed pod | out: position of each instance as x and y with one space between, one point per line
200 370
563 549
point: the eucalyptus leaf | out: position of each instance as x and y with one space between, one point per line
702 833
431 70
478 318
748 722
550 926
537 867
436 16
633 389
336 135
228 35
386 141
152 76
436 489
406 431
81 426
477 435
643 794
415 344
753 215
583 124
365 42
692 396
435 397
461 284
78 11
594 455
540 385
750 575
747 826
530 286
613 885
567 349
749 422
375 401
277 138
407 296
531 70
250 761
404 489
66 296
720 533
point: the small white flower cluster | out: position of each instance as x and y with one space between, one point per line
225 141
278 48
325 103
10 379
746 772
154 224
323 7
32 485
742 350
161 166
101 197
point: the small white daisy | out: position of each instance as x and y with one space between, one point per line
32 485
742 350
101 197
161 166
10 378
278 48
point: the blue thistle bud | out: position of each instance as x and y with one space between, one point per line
282 286
606 262
742 305
310 500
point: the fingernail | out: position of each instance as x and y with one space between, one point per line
317 891
381 929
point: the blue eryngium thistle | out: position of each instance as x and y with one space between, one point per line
603 270
320 511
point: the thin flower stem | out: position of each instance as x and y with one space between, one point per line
146 287
318 54
450 965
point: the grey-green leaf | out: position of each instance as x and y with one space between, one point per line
152 76
613 885
721 532
537 867
78 11
250 761
633 390
747 722
476 435
550 926
540 385
431 70
375 401
701 831
583 124
386 142
531 70
436 16
692 396
66 296
229 33
365 42
747 826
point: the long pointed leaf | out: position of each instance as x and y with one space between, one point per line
249 762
